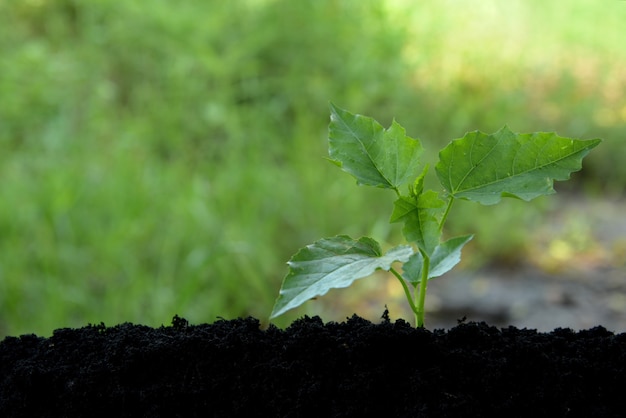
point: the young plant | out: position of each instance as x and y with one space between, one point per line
478 167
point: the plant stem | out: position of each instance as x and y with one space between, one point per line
422 292
407 292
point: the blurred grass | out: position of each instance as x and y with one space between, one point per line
159 159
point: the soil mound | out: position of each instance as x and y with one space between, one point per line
355 368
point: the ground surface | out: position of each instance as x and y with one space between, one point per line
354 368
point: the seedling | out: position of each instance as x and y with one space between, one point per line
478 167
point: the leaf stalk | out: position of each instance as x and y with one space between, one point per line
407 292
445 214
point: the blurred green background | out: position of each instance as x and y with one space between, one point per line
161 158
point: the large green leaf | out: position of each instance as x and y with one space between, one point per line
375 156
484 168
445 256
332 263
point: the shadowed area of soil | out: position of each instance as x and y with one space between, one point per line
354 368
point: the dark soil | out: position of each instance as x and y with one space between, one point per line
356 368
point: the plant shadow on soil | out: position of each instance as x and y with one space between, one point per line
352 368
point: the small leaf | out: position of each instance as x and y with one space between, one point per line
484 168
444 258
375 156
421 216
332 263
417 187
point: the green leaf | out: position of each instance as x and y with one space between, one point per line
417 187
484 168
332 263
421 215
444 258
375 156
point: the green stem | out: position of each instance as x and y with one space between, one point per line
445 214
407 292
422 292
